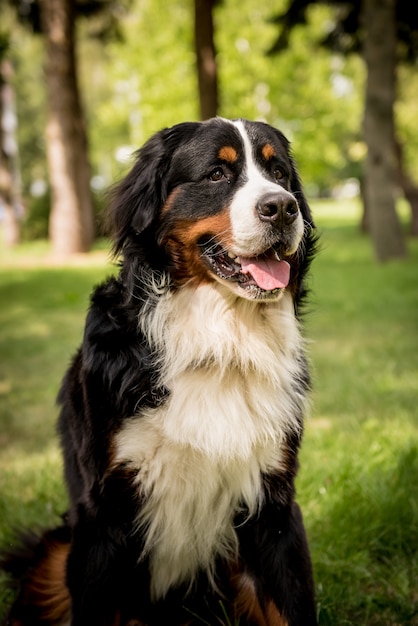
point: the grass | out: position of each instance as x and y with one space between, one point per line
42 307
358 484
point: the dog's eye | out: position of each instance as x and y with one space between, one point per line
278 174
216 175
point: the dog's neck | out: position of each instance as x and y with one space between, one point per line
209 326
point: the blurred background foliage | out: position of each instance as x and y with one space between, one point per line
137 74
146 79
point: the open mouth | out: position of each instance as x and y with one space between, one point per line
266 271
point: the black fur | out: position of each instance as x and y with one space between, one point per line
113 377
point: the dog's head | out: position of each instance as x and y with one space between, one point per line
217 201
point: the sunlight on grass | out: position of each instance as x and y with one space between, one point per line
348 211
358 483
31 488
20 463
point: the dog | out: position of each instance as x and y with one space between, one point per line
182 413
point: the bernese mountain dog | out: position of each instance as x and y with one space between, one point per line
182 412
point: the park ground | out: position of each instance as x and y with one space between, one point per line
358 482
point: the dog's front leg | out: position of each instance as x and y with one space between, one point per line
276 557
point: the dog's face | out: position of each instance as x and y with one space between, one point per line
224 202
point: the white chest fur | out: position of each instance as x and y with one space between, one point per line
229 367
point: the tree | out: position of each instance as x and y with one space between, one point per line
379 55
9 192
206 58
408 185
352 33
71 221
71 218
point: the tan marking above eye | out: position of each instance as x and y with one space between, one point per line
268 151
228 154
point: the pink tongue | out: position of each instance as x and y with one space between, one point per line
269 274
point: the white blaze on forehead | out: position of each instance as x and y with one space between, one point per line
256 180
248 231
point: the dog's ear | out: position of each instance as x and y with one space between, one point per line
137 200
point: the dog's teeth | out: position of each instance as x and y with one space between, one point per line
231 255
238 260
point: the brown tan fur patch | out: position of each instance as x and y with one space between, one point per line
273 616
181 243
268 151
228 154
248 605
45 586
170 200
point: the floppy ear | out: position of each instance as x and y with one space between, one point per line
137 199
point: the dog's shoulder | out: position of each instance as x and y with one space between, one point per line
113 360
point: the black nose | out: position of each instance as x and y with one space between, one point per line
278 207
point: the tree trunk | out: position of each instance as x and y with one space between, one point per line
364 223
409 187
380 57
206 59
9 195
71 225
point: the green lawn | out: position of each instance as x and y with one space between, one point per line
358 484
